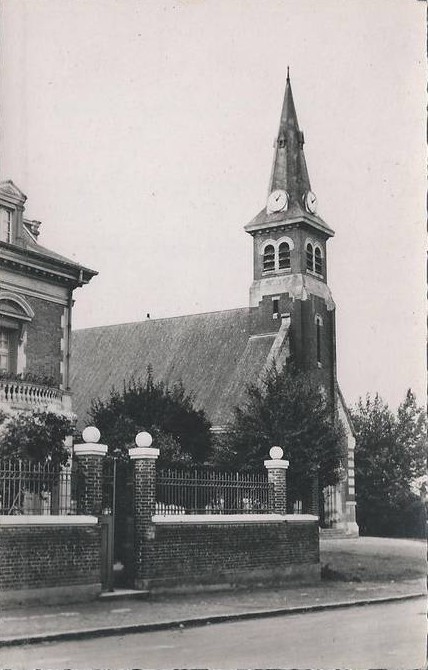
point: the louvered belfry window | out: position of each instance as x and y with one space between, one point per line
284 256
269 258
309 257
318 261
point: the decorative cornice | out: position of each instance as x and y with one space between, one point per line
20 266
264 223
71 275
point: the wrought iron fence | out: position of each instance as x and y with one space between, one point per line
36 488
211 491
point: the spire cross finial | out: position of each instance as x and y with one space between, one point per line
288 72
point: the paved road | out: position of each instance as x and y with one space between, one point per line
375 636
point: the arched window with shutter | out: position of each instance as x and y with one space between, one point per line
318 260
309 256
269 258
284 256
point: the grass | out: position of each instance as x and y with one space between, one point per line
369 559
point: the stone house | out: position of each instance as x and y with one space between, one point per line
36 299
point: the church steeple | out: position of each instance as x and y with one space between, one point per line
289 171
290 200
290 305
290 247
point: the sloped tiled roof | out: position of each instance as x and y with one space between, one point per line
212 354
37 248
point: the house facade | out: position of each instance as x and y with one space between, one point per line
36 299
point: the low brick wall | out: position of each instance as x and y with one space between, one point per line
187 551
49 559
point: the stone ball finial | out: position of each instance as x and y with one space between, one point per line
143 439
91 434
276 453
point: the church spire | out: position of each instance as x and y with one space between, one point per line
290 198
289 171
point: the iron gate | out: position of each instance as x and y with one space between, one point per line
117 524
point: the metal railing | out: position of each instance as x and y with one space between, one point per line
36 488
211 491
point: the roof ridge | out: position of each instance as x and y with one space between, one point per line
162 318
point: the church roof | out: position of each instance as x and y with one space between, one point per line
212 354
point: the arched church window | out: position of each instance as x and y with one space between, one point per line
318 260
269 258
284 256
309 256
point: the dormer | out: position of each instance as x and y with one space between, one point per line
11 213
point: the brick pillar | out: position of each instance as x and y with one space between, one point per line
89 458
277 468
144 459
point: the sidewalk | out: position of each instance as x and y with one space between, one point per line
120 614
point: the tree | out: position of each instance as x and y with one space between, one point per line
35 435
180 431
288 409
390 455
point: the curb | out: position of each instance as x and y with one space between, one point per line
194 622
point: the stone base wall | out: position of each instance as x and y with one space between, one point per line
189 552
49 559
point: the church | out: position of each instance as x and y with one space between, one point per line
291 313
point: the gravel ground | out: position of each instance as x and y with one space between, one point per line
374 559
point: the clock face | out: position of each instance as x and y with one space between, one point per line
277 201
311 202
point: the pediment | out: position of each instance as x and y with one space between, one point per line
14 305
11 308
10 190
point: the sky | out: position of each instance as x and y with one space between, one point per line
142 133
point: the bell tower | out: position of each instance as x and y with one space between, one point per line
289 289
